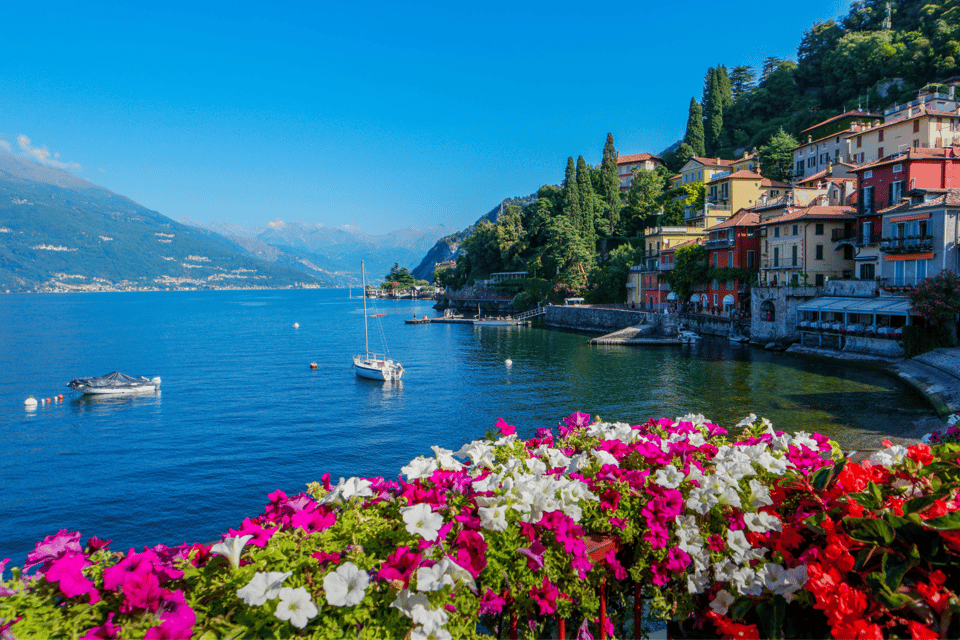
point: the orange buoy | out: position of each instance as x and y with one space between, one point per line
313 365
60 396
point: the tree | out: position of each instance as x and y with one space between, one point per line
770 65
723 85
689 270
937 299
608 283
742 81
776 157
588 204
643 201
571 195
398 277
713 108
609 187
511 238
694 134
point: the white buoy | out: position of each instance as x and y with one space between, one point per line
508 362
30 403
296 325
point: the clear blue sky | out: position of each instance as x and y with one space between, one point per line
381 115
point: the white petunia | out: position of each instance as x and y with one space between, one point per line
407 600
295 605
669 477
605 457
722 601
346 586
762 522
357 488
697 581
702 499
890 456
419 633
231 548
493 518
432 620
419 468
445 459
738 544
332 494
421 520
262 587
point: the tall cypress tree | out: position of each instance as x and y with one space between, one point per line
571 195
588 207
694 134
723 83
714 114
609 187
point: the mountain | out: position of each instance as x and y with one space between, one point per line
448 247
59 232
333 253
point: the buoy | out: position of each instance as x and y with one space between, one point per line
30 402
508 362
296 325
313 365
60 396
48 399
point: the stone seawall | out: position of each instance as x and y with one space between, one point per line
597 320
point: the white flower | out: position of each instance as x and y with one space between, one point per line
748 582
738 544
702 499
721 603
747 422
493 518
346 586
669 477
889 457
698 581
262 587
419 633
762 522
295 605
332 494
432 620
759 494
231 548
421 520
419 468
445 459
605 457
356 488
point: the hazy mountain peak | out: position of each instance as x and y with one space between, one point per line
17 168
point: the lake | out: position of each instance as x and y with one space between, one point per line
241 413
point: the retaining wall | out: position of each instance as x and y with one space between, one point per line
597 320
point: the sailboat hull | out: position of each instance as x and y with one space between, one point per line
374 369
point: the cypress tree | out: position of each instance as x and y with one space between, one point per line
694 134
588 212
723 83
571 196
609 187
714 114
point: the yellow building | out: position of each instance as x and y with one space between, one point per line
802 246
742 189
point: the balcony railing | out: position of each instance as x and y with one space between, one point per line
726 243
839 235
868 239
906 245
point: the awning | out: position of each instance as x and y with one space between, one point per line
727 299
672 296
882 306
695 298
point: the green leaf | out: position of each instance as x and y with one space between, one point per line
949 522
772 615
919 504
813 522
866 500
883 594
740 608
894 568
869 530
823 477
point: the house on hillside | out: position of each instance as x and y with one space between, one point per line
920 238
802 246
626 165
735 244
826 143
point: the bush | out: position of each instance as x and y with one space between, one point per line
918 340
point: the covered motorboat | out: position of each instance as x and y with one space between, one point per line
114 383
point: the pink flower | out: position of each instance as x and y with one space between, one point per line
132 565
505 429
618 571
534 555
67 570
324 558
471 552
141 590
52 548
95 543
178 619
573 422
313 519
106 631
400 565
491 603
261 535
546 597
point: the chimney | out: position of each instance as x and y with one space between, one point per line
809 139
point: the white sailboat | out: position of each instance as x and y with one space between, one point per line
373 365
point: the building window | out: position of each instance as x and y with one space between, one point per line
880 135
867 271
751 259
867 200
793 256
819 280
818 228
776 232
921 270
898 273
796 230
895 191
751 232
776 256
868 174
859 141
729 258
879 153
898 168
916 126
714 299
916 144
819 252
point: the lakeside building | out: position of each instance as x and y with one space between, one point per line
734 244
828 142
741 189
886 183
627 165
643 287
802 245
920 237
666 263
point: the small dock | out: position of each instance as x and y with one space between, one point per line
440 321
634 336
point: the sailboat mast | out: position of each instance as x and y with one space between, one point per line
366 340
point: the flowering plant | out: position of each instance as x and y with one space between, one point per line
719 531
951 433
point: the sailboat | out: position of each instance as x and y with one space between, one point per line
373 365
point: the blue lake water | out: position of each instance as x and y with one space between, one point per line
241 413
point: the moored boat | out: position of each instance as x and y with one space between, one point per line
114 383
374 366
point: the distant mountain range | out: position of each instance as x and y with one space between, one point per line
333 253
59 232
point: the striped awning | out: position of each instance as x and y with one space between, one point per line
915 216
882 306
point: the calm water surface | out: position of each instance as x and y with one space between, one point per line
242 414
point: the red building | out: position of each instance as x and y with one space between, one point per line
734 243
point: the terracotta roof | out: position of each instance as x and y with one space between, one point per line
912 153
943 197
682 244
714 162
637 157
818 212
822 175
768 182
862 114
742 218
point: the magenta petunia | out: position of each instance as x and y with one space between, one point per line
53 547
95 543
177 616
491 603
67 572
106 631
400 565
534 555
133 564
261 535
471 552
505 429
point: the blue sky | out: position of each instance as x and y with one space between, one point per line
379 115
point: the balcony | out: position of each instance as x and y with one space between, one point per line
726 243
871 238
839 235
910 244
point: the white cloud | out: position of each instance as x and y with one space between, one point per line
43 155
277 224
5 146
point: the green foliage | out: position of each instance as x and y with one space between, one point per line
399 277
937 299
694 135
608 283
608 189
742 81
589 204
691 194
713 113
689 270
918 340
643 202
776 157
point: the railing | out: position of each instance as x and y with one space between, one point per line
906 245
532 313
867 239
718 244
842 234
